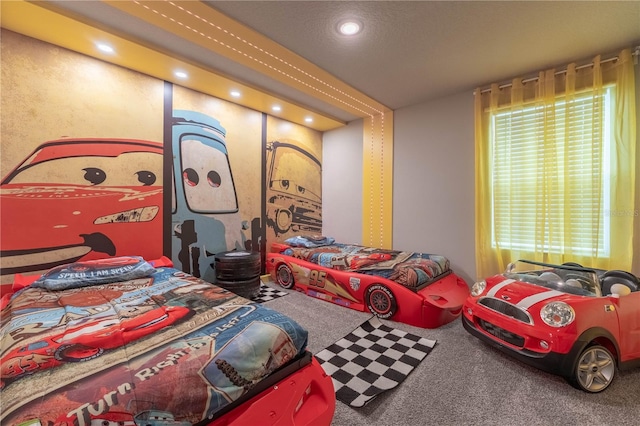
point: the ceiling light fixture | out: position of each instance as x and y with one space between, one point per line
235 93
104 48
349 27
181 74
276 108
308 120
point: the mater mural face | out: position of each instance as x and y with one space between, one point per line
205 214
293 181
294 200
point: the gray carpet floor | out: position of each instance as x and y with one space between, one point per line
464 381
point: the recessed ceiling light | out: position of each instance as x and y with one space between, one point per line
308 119
235 93
104 48
181 74
349 27
276 108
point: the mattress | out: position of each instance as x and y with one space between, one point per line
167 344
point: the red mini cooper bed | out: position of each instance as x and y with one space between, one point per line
414 288
156 348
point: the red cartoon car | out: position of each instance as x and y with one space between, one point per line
414 288
86 341
78 199
571 321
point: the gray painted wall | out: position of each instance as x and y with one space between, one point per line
342 183
433 186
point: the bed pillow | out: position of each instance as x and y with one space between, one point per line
309 241
92 272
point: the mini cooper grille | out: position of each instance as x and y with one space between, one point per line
505 308
502 334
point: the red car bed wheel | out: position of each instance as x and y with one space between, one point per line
381 301
595 369
284 276
77 353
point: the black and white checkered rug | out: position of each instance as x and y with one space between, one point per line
371 359
267 293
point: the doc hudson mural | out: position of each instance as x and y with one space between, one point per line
89 171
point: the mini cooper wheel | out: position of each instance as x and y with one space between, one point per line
77 353
381 301
284 276
595 369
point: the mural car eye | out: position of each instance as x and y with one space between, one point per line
94 175
190 177
89 215
146 177
214 179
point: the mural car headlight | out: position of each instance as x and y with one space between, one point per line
478 288
557 314
143 214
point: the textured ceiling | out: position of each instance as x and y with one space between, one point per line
409 51
413 51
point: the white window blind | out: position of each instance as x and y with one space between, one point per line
550 176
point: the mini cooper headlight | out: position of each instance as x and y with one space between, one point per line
478 287
557 314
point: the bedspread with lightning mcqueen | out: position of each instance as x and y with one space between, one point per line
413 288
574 322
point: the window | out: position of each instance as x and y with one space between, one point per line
550 168
555 175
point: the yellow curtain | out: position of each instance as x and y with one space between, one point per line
553 217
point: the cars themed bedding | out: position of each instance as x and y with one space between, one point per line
127 340
409 269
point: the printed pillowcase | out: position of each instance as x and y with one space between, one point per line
309 241
92 272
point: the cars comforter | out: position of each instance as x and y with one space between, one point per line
126 351
409 269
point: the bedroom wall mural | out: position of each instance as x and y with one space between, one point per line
293 180
81 158
216 159
98 161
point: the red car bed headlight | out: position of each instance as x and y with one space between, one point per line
557 314
478 287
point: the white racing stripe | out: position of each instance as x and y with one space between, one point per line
496 288
527 302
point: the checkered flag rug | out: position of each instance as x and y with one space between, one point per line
267 293
371 359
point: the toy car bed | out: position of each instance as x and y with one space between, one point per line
414 288
141 343
575 322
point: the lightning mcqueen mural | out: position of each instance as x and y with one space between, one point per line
578 323
81 199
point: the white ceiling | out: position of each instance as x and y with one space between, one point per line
409 51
